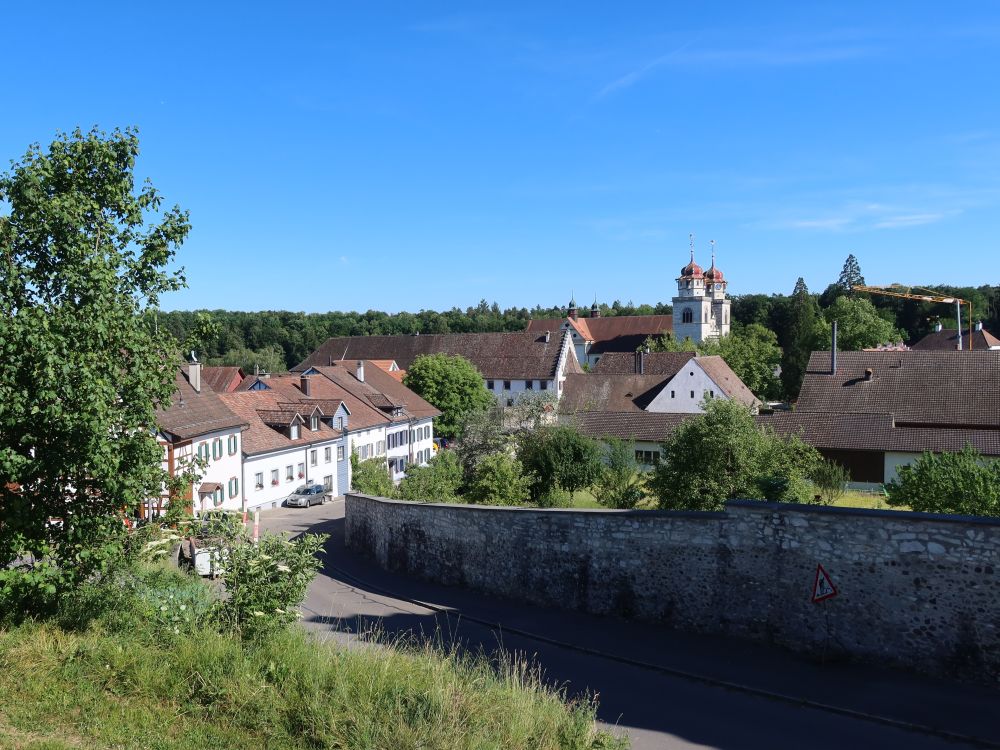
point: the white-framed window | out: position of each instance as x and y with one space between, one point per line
289 473
258 480
218 497
217 449
293 431
232 444
302 471
381 447
328 482
274 477
327 454
313 457
647 458
340 453
314 423
234 487
203 451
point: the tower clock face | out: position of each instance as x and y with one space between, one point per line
718 286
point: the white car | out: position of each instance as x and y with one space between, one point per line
306 495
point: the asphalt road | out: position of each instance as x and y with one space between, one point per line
663 688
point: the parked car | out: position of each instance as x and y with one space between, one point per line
306 495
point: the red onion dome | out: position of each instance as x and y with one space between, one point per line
713 274
693 270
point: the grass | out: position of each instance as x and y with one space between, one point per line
111 684
854 499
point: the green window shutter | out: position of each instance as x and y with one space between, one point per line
217 448
232 444
217 496
234 487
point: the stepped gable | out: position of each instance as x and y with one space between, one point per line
919 388
191 413
497 356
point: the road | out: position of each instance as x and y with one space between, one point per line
663 688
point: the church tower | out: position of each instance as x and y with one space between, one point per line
701 308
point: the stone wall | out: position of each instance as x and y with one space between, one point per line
914 590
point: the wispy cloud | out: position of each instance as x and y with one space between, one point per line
344 260
909 220
634 76
861 217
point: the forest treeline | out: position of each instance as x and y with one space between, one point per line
277 340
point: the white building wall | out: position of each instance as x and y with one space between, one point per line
895 459
421 450
271 494
223 470
676 396
519 387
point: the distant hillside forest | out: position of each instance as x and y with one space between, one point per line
277 340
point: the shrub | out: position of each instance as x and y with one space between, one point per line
438 481
830 479
371 477
499 480
962 483
619 484
559 458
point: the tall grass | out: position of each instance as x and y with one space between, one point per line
121 680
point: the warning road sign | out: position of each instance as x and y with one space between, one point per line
823 588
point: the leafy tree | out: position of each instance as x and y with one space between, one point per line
203 334
850 275
437 482
963 483
753 354
499 480
721 455
452 384
831 480
371 477
859 326
619 484
268 359
559 457
801 334
83 255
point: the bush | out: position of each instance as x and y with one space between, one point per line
962 483
437 482
499 480
830 479
371 477
559 458
619 484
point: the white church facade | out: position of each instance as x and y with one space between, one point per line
701 307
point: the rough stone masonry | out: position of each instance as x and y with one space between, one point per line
913 590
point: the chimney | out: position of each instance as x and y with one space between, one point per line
304 385
979 325
833 350
548 336
937 327
360 372
642 363
194 373
869 373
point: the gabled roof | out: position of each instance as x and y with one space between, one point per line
381 389
652 427
617 393
942 389
322 389
495 355
946 340
654 363
617 333
191 413
222 379
256 408
727 380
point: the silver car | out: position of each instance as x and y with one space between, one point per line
306 495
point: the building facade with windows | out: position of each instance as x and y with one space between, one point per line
701 307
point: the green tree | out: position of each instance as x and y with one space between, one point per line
437 482
371 477
963 483
753 353
83 255
559 457
859 326
619 484
268 359
499 480
831 480
721 455
800 337
452 384
850 274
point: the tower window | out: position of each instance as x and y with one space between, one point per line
687 317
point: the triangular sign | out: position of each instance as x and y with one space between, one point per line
823 588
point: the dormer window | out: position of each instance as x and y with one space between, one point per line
314 423
293 431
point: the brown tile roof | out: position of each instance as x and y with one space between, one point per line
381 388
654 363
943 389
590 392
363 414
191 413
222 379
258 437
946 340
631 425
877 432
518 356
727 380
619 333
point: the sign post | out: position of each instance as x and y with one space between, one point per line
823 587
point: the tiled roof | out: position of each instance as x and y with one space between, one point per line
617 333
944 389
279 416
878 432
654 363
630 425
592 392
496 355
727 380
221 379
381 389
191 413
363 414
946 340
258 437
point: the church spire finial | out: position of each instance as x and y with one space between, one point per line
691 241
712 243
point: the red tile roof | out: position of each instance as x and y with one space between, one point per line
222 379
380 382
259 437
191 413
654 363
946 340
617 333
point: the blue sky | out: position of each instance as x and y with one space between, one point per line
356 156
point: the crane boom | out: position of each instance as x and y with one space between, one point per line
904 292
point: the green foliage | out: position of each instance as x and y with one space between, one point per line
266 359
802 316
452 384
82 259
963 483
831 480
482 434
859 326
722 454
371 477
499 480
620 483
437 482
850 275
266 582
559 458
